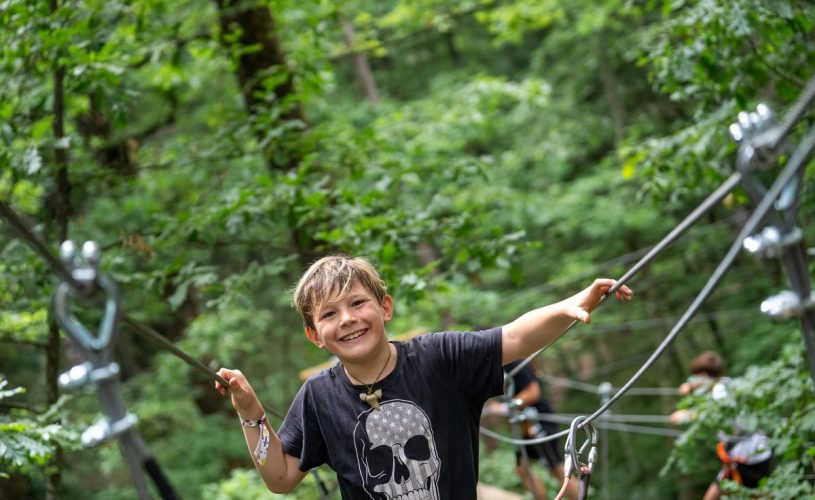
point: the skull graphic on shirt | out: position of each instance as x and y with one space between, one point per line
396 452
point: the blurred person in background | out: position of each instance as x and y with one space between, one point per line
745 456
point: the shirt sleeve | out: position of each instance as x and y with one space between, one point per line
470 360
299 433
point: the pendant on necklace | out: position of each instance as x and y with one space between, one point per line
372 398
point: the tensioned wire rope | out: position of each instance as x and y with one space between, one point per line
633 359
17 225
796 162
562 282
723 190
622 423
635 325
14 221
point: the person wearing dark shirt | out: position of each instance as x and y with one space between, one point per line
528 399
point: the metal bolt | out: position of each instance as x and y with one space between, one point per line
784 305
67 252
765 113
91 253
744 121
736 132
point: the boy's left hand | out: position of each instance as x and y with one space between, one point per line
581 304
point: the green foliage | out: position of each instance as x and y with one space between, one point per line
519 149
497 468
241 484
244 484
717 58
777 399
27 439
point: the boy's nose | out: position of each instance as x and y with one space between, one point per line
347 318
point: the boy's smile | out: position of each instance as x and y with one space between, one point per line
355 335
353 327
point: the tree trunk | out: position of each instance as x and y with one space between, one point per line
452 50
610 89
254 26
62 212
361 67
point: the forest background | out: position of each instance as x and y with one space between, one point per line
490 156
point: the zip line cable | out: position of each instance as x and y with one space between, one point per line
795 113
564 418
560 283
726 187
594 389
633 359
16 223
601 424
642 324
796 162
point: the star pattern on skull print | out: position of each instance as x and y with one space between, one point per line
396 452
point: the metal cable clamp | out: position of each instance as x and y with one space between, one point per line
99 369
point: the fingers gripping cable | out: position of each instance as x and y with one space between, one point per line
783 197
84 288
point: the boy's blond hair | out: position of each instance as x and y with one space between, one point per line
331 278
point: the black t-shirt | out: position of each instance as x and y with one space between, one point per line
425 438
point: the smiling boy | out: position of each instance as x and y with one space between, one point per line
393 420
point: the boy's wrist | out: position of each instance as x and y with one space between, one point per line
252 422
252 414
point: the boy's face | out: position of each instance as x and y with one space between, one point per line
353 327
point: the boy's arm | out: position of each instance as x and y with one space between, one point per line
281 472
540 327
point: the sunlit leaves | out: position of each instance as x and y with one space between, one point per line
26 438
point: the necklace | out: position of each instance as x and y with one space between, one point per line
372 397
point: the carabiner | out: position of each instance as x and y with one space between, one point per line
85 271
574 465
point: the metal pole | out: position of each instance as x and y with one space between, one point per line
604 390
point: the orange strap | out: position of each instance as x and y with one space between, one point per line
730 469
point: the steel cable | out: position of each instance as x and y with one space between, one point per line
795 163
18 225
723 190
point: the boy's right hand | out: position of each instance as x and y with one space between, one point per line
244 399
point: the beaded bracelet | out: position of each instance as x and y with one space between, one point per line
262 447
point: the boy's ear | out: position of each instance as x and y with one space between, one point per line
387 305
314 338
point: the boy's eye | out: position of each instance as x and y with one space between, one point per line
358 302
326 314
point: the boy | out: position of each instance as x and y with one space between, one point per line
392 420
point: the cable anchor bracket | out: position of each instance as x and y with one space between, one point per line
771 243
787 304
